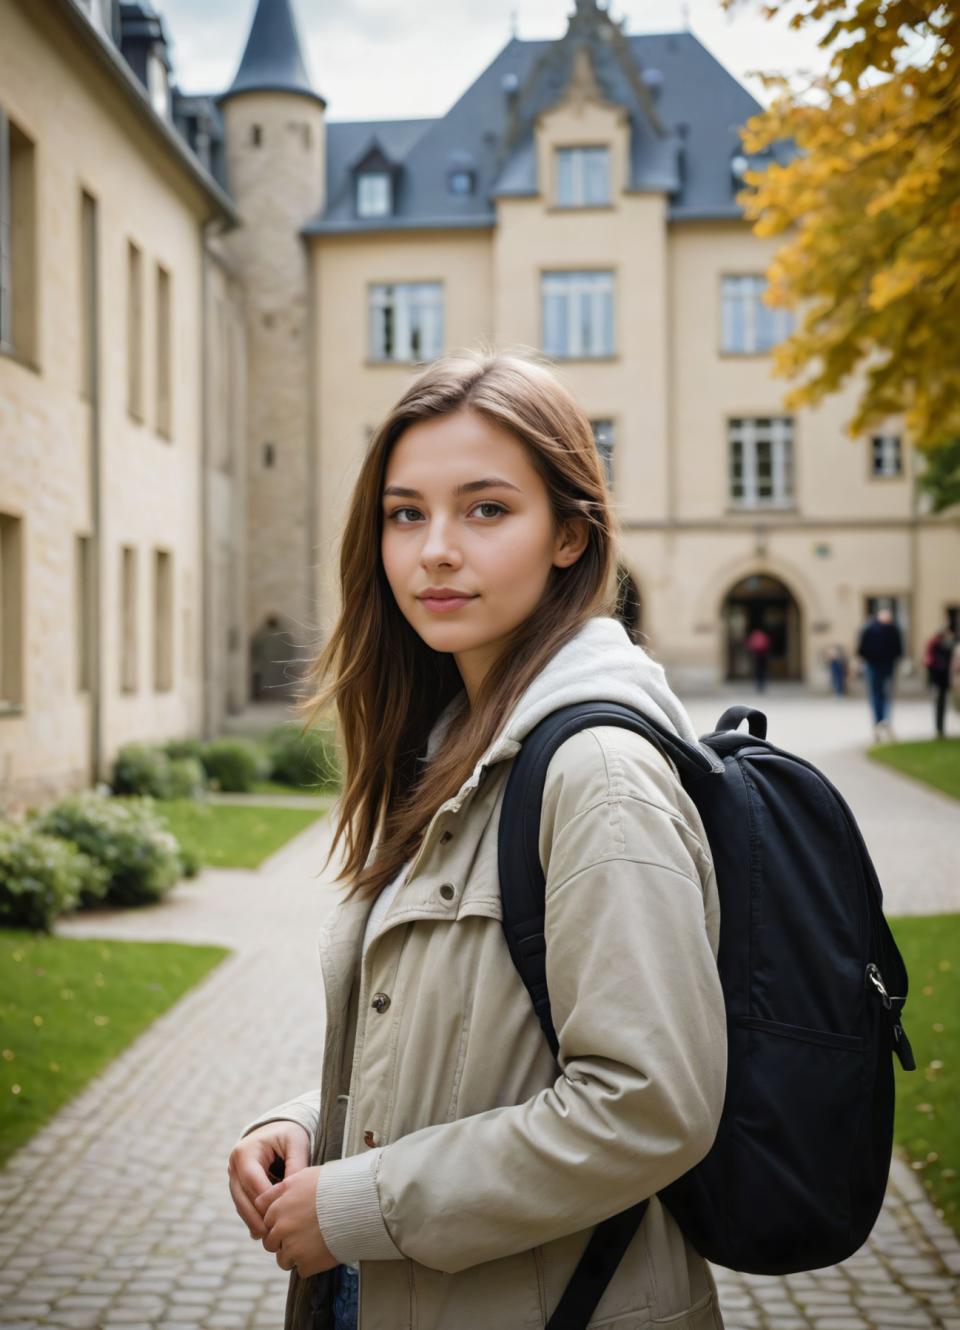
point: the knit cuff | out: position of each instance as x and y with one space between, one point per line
348 1210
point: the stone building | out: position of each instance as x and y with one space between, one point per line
207 302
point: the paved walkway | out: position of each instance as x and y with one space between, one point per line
117 1213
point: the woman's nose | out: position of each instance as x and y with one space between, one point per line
439 544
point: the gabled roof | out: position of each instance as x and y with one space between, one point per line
273 58
685 111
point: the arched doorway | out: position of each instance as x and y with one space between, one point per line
629 608
763 602
274 669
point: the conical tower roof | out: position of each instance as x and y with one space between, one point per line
273 57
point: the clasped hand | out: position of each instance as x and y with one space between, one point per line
282 1215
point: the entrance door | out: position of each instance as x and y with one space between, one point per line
762 602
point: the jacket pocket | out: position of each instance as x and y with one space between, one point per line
704 1314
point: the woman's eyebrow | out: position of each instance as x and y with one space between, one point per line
489 482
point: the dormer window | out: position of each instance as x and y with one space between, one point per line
461 182
374 194
582 177
158 84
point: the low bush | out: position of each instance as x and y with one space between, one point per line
186 778
149 769
310 760
140 768
177 748
235 764
127 836
42 877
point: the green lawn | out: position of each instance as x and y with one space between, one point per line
234 835
68 1006
927 1121
934 761
275 787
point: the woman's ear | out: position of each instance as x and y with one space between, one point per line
571 541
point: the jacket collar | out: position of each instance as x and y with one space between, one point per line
599 663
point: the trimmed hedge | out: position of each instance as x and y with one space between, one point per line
127 836
310 760
42 877
147 769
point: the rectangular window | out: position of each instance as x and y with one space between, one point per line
134 331
583 177
164 331
603 437
83 609
11 612
886 455
750 326
128 619
88 295
406 321
163 621
761 461
577 313
18 242
373 194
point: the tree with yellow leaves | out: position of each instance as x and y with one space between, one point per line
871 199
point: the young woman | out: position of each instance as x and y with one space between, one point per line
447 1169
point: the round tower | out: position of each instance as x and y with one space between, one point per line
275 135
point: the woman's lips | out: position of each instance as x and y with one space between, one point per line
445 604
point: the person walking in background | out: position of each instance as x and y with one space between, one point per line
937 660
839 664
880 647
758 644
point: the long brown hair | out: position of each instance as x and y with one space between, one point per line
387 685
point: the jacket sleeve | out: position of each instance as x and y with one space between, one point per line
305 1109
640 1018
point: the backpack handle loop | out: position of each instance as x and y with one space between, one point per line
732 717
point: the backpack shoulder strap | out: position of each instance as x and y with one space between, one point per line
523 896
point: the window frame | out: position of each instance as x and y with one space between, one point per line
364 178
781 437
781 319
400 298
570 163
872 459
573 285
605 447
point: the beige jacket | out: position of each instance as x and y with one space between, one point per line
477 1166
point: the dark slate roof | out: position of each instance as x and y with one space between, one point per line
684 108
273 58
200 121
105 50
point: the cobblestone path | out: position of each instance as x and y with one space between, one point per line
117 1212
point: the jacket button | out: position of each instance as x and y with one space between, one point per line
381 1002
370 1138
448 891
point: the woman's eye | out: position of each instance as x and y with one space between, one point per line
484 503
490 503
394 516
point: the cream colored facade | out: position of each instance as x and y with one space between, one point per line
669 390
224 490
105 422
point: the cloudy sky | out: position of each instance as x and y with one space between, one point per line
379 59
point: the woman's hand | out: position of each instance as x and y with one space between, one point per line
254 1154
289 1211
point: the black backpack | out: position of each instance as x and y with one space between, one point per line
798 1169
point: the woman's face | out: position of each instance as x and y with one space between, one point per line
464 509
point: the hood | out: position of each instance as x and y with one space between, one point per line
599 663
